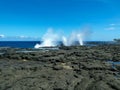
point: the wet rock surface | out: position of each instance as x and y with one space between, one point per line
69 68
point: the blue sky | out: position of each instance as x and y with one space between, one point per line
30 19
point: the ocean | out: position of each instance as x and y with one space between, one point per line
18 44
31 44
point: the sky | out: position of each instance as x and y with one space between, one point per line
30 19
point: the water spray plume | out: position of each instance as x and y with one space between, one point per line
79 36
65 41
50 39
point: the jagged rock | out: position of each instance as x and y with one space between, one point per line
70 68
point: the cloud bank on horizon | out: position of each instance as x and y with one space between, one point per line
18 38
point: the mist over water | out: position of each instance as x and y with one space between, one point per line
51 38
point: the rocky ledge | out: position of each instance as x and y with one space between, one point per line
69 68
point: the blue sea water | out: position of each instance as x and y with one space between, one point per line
31 44
18 44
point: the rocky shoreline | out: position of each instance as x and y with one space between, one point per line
69 68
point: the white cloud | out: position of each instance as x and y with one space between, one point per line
110 28
112 24
2 36
115 24
22 37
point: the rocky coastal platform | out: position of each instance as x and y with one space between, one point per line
66 68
